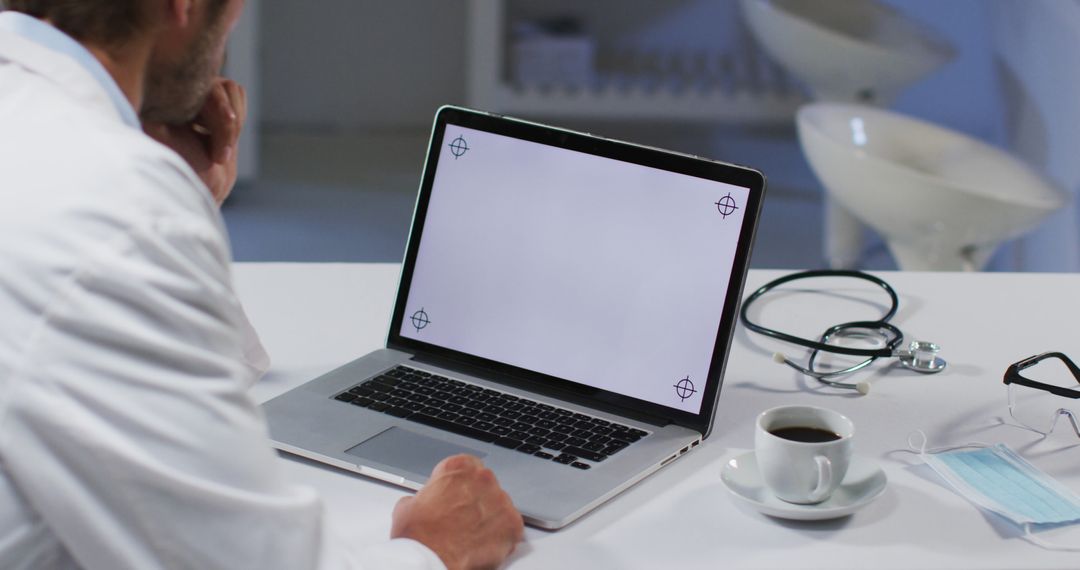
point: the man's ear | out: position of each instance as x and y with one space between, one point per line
180 11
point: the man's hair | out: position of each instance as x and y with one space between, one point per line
106 22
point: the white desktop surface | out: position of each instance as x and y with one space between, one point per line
315 317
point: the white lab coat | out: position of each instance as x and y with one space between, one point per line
127 437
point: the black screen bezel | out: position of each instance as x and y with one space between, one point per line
748 178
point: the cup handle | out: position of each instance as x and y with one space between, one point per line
825 475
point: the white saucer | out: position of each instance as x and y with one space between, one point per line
863 483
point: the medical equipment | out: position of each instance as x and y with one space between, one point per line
997 479
1038 405
920 356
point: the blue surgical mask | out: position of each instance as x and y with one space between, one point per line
998 480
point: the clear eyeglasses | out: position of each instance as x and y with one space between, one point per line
1038 405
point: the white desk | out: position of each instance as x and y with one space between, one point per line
314 317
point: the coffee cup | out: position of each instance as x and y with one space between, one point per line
803 452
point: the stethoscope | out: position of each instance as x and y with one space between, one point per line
919 356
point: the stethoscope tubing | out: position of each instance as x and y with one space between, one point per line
887 351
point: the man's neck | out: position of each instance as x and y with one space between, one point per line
128 72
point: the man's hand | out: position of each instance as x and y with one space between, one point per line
208 143
462 514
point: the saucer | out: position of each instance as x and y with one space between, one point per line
863 482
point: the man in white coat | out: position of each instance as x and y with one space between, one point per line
127 437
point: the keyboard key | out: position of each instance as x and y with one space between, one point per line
565 459
528 448
510 414
596 446
361 391
362 402
378 406
543 455
452 427
465 421
536 440
448 416
483 425
625 436
508 443
581 465
556 445
612 449
590 455
575 441
384 380
398 412
345 397
522 435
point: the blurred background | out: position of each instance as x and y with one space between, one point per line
343 93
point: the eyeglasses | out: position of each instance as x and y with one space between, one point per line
1038 405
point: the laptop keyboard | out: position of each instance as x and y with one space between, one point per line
540 430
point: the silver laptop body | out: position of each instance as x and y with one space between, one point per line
565 311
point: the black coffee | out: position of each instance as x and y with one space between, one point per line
805 434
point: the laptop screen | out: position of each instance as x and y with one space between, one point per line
603 272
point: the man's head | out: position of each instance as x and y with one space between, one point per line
187 40
110 23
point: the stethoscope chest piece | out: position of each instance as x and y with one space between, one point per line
921 356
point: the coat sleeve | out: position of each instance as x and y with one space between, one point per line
128 427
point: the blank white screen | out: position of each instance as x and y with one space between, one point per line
594 270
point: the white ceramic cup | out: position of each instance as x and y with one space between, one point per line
793 467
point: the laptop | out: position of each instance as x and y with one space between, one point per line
565 312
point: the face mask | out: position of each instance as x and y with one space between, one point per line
998 480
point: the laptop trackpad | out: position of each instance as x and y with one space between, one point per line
413 452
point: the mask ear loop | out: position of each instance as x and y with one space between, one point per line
1042 543
921 448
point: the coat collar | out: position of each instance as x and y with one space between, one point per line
46 51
